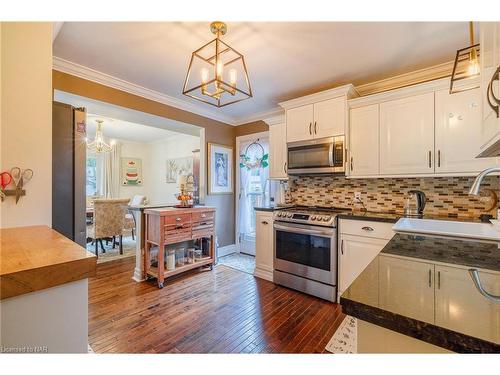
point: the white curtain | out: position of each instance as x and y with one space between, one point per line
245 204
110 173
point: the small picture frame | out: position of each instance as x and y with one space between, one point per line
220 169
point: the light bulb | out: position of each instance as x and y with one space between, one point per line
219 69
473 68
233 76
204 75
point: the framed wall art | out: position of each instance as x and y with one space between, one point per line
220 169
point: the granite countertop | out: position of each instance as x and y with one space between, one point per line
271 208
382 294
37 257
393 217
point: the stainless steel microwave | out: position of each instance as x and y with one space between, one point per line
316 156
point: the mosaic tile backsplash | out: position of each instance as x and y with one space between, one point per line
446 196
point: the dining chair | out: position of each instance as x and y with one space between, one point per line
130 223
109 219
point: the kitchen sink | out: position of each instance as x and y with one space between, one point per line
479 231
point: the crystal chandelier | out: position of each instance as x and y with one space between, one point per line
98 145
466 66
217 73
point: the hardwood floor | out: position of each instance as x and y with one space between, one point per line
219 311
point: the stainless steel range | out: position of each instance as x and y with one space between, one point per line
305 250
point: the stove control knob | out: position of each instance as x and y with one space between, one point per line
278 214
289 215
326 218
313 217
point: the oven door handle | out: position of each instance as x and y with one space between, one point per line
326 233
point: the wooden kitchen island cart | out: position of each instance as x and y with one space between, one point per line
169 229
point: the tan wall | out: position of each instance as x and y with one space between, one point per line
215 132
26 118
251 128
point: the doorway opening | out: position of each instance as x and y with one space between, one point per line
142 166
254 186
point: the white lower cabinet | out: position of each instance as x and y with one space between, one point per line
359 243
459 303
400 293
264 245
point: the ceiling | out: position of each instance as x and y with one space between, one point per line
285 60
124 130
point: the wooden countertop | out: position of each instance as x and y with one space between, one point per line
179 210
37 257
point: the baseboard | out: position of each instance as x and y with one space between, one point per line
226 250
263 274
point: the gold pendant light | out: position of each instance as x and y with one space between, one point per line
217 73
466 66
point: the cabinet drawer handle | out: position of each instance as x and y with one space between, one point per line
203 215
284 167
310 124
430 278
430 159
439 158
315 131
342 247
178 219
474 274
439 279
369 229
352 163
264 222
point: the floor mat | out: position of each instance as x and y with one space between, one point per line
239 261
114 254
344 340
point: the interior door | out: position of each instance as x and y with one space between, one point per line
459 303
458 139
364 140
329 118
407 135
407 288
299 122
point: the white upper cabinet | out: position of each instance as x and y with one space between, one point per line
277 151
329 117
458 140
299 122
490 61
407 135
319 115
459 303
364 141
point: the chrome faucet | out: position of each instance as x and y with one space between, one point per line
474 190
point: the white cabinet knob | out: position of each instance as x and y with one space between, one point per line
450 115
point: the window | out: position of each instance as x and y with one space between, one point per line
91 185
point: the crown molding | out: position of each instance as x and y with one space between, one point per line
261 116
346 90
274 120
89 74
407 79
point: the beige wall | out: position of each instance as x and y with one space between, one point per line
251 128
26 118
